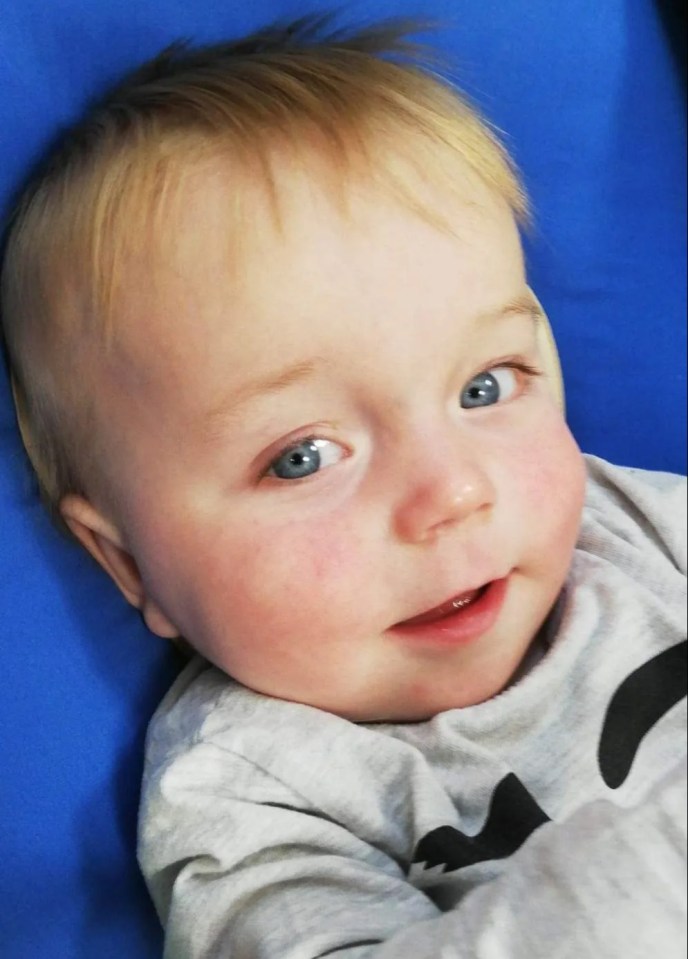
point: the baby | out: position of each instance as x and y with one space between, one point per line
279 370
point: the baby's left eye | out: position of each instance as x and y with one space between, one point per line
490 387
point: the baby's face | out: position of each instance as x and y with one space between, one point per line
318 449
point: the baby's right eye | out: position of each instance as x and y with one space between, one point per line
305 458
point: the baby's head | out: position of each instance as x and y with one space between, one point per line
277 367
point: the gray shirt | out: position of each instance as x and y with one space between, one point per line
547 822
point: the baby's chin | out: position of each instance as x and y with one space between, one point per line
423 701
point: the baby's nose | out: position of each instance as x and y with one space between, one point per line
442 495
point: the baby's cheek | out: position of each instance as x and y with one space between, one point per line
553 472
332 560
300 578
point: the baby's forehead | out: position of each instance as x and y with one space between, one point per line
308 249
217 223
211 208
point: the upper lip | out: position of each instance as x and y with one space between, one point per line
444 607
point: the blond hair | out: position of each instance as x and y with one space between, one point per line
367 98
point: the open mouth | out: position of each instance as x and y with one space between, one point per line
450 608
458 621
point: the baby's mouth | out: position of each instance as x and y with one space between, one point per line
450 608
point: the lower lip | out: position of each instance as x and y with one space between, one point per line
463 627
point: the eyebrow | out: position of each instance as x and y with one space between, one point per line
228 407
265 386
525 305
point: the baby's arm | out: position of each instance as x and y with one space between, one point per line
261 879
240 867
608 884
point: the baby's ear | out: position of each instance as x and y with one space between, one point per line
101 538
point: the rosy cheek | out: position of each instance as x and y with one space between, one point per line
554 473
332 558
300 571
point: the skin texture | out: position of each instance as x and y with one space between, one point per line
292 586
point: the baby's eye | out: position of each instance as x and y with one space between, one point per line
490 387
305 458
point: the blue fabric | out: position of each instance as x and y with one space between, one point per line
595 114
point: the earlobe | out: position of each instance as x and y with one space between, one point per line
101 538
156 620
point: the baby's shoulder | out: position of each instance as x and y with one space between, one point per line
630 510
206 712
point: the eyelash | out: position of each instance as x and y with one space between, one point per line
520 366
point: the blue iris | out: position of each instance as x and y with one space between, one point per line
482 390
298 461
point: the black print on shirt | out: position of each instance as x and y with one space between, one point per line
641 700
513 816
638 704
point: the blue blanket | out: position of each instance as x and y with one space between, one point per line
594 109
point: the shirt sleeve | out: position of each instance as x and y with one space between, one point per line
265 877
241 867
609 883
